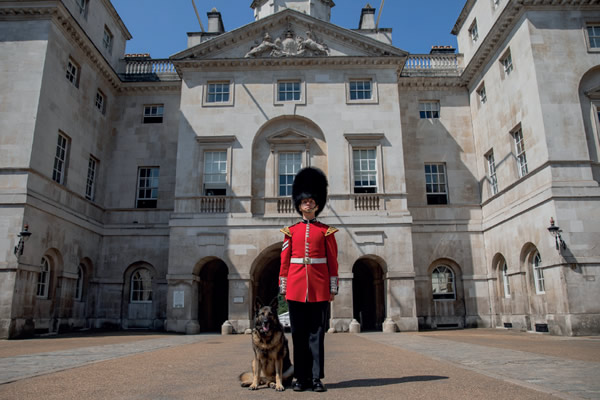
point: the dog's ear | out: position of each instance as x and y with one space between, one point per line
258 304
274 304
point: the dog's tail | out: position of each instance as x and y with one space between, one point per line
246 378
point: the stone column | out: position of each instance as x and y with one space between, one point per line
341 309
401 305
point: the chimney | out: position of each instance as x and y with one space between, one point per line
442 50
367 18
215 22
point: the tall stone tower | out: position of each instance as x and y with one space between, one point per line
320 9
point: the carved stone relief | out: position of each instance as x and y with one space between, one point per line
289 45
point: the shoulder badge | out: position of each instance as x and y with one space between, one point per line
286 231
331 230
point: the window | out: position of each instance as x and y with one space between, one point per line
215 173
79 283
593 36
361 89
538 274
60 159
429 109
492 179
147 191
520 152
217 92
288 91
43 282
82 4
141 286
90 184
100 102
107 39
482 94
365 170
496 3
289 165
474 32
153 114
507 63
442 283
73 72
505 282
435 184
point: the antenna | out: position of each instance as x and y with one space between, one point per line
198 16
378 15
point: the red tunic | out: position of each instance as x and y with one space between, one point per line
309 281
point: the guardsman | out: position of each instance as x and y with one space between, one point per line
308 278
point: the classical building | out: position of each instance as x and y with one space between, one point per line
149 193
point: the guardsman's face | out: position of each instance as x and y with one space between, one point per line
308 205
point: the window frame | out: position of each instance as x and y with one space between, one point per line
100 105
90 182
505 279
492 172
83 7
520 152
434 112
150 118
358 141
288 175
448 296
140 202
482 94
108 39
61 163
207 93
211 186
133 299
78 296
368 172
73 75
474 31
446 193
588 40
349 80
507 63
301 91
538 273
43 281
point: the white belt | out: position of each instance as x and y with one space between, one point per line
308 260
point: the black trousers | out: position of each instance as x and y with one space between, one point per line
308 323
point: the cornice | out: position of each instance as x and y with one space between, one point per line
113 13
136 88
431 83
463 16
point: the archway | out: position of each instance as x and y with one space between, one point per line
213 296
368 295
265 277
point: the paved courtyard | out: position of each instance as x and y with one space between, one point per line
463 364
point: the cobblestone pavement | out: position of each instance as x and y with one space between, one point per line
482 363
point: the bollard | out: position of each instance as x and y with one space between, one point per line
354 326
226 328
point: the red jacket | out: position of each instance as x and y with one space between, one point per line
308 280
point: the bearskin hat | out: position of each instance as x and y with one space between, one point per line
310 183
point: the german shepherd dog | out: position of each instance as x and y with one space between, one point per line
271 364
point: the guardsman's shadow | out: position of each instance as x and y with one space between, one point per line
382 381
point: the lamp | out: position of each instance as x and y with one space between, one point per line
555 231
23 236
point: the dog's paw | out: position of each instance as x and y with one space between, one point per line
253 387
279 388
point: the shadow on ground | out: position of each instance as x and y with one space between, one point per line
382 381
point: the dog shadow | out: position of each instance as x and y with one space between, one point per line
383 381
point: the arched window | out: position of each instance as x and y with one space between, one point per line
79 284
538 274
442 281
43 279
141 286
505 281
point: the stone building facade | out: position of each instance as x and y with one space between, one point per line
154 190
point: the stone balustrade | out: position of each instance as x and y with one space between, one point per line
366 202
428 64
143 68
213 204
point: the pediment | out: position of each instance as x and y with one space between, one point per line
289 136
288 34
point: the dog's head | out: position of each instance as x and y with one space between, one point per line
266 321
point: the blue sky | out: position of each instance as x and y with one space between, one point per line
159 27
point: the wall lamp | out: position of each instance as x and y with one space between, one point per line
555 231
23 236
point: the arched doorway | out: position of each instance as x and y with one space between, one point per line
368 295
265 278
213 296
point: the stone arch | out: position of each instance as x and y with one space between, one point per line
282 134
213 293
141 310
264 276
368 292
499 290
445 312
589 99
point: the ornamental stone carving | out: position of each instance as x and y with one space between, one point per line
289 45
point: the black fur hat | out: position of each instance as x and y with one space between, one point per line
310 183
